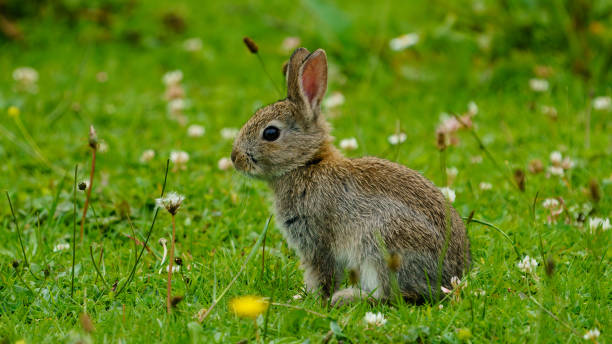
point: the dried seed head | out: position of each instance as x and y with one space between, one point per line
163 241
441 141
83 186
353 276
535 166
519 178
178 261
394 261
172 202
250 43
15 264
86 323
550 266
594 188
284 69
175 300
93 137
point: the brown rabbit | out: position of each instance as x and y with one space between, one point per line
344 214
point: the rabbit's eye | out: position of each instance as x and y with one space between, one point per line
271 133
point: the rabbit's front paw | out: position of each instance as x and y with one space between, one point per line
345 297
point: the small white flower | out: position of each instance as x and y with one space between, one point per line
103 147
290 43
550 203
538 85
527 265
179 158
484 186
597 222
61 247
175 268
404 41
396 139
349 144
225 164
172 202
567 163
176 106
476 159
591 334
333 100
195 130
556 171
377 319
192 44
479 292
440 306
297 296
451 172
147 155
229 133
448 193
602 103
556 158
472 108
173 78
550 111
25 75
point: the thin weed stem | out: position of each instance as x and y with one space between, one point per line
91 177
25 257
74 200
93 261
263 66
516 250
170 261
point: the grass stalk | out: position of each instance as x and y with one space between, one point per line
91 178
25 256
242 268
74 200
170 261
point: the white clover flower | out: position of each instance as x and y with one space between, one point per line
556 171
550 203
602 103
484 186
452 172
172 202
527 265
225 164
396 139
61 247
229 133
472 108
567 163
377 319
25 75
195 130
538 85
176 106
192 44
333 100
147 155
173 78
179 158
591 334
479 292
597 222
103 147
556 158
404 41
476 159
349 144
175 268
455 282
448 193
290 43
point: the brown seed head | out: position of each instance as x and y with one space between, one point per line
178 261
82 186
93 137
535 166
441 141
250 43
519 178
594 188
15 264
86 323
550 266
175 300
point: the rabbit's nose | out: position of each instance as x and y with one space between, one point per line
233 156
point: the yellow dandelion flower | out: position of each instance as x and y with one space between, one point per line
13 111
249 306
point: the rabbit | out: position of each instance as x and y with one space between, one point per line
342 214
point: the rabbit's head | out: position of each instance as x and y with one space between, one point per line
290 133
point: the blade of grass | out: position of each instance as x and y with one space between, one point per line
76 169
25 257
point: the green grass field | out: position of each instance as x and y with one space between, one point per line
104 67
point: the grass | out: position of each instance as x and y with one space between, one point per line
224 213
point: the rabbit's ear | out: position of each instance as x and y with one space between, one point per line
293 71
313 81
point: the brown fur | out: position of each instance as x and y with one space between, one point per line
341 214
